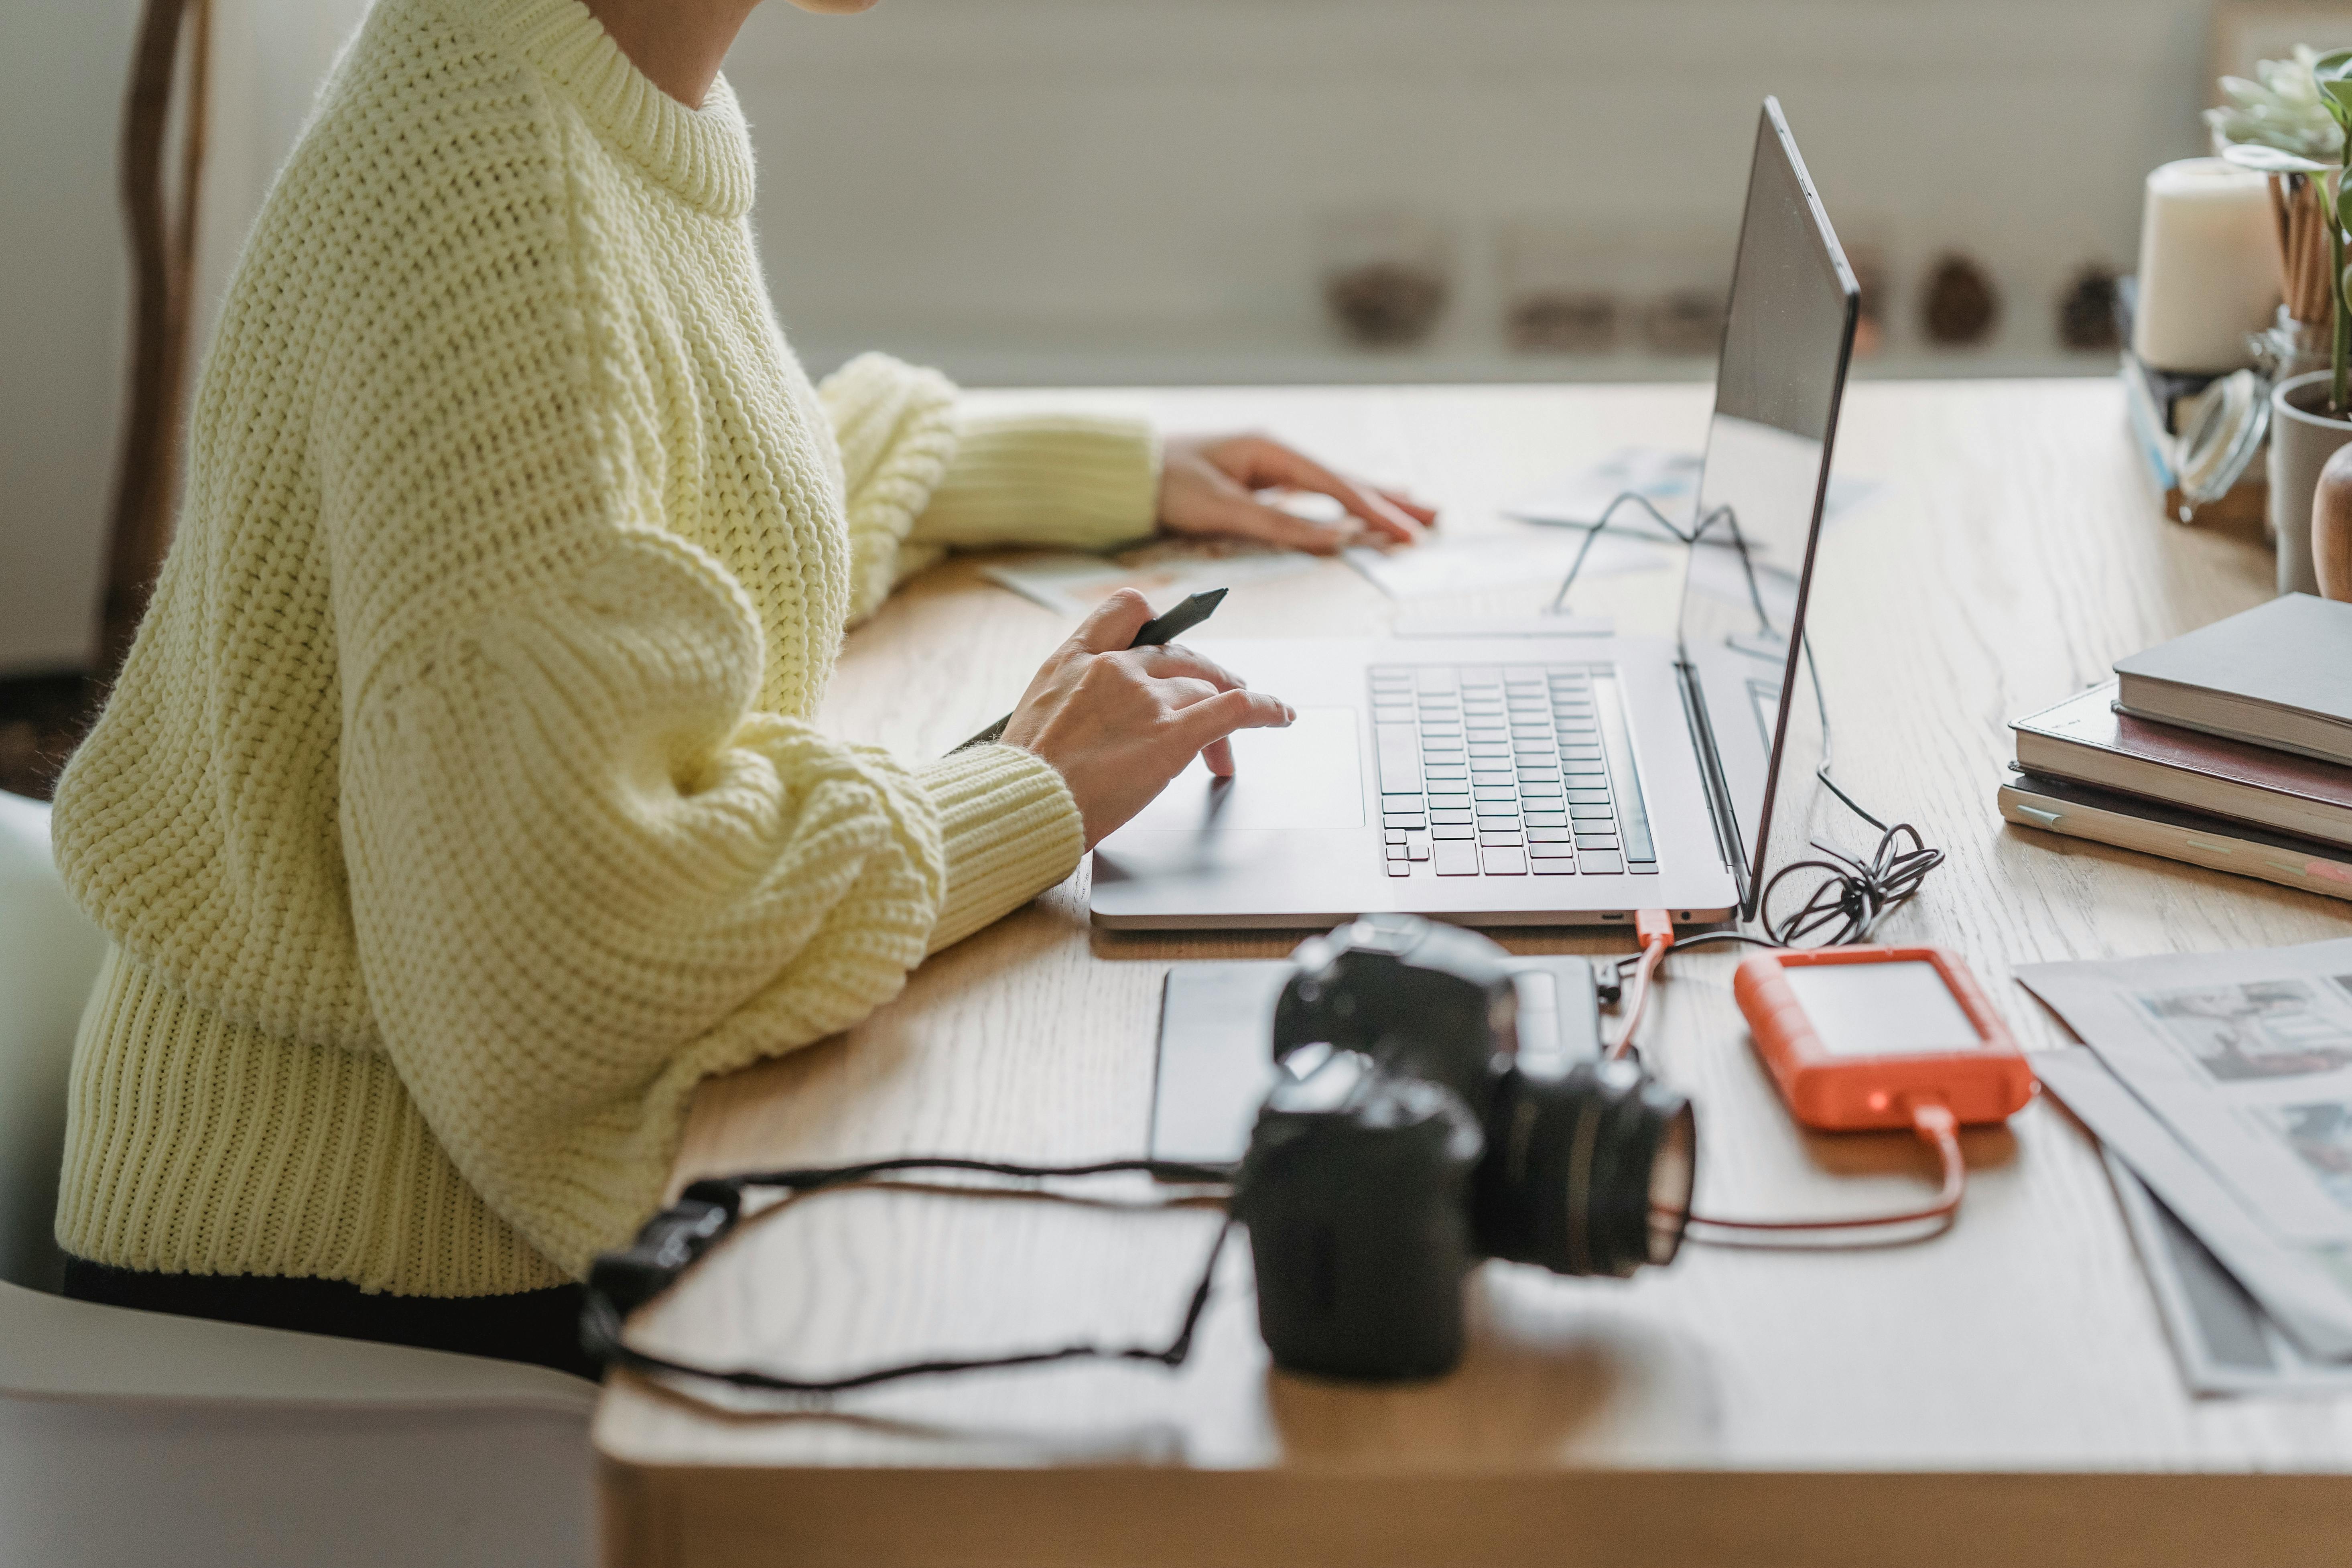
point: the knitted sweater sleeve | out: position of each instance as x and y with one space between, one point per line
584 872
922 476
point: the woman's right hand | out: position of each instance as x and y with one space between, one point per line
1119 722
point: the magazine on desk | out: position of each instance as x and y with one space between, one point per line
2226 1342
2247 1057
2224 1080
2306 1292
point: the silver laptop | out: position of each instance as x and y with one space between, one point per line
1547 779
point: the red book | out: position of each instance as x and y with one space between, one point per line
2085 739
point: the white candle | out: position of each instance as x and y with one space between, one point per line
2207 265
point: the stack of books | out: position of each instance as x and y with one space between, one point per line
2229 748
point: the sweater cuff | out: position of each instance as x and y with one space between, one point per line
1079 481
1010 830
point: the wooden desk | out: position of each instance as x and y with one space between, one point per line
2002 1396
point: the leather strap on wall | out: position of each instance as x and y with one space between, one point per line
173 48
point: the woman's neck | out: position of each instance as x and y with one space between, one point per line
678 44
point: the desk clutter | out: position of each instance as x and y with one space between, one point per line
1402 1100
2219 1086
1402 1136
2229 748
2215 378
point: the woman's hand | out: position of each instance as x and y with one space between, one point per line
1208 485
1119 722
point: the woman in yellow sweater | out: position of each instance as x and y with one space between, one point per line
461 804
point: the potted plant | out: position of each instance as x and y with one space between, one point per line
2293 125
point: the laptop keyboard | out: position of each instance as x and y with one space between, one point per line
1507 770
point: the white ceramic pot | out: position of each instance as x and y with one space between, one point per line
2302 437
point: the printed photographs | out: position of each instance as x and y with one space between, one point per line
2245 1057
2255 1030
2320 1135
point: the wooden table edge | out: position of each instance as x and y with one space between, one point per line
1116 1517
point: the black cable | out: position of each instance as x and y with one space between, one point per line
815 1178
1853 895
673 1240
1847 902
1693 537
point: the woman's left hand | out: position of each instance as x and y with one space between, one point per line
1208 486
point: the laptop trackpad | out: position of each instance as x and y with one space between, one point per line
1308 775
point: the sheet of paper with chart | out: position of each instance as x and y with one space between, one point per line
1667 480
2246 1056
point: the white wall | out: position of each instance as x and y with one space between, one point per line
64 282
65 273
1053 190
1133 186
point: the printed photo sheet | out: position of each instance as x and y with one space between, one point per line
2246 1056
2225 1341
2305 1290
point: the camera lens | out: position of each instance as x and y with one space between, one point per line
1674 1170
1589 1173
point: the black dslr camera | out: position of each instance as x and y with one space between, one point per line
1405 1141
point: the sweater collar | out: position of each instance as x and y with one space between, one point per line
703 154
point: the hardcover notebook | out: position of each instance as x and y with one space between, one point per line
2084 738
2279 675
2152 828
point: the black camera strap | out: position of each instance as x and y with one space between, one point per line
674 1240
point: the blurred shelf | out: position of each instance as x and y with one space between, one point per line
1223 359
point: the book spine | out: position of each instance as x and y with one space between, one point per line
2298 735
2128 773
2314 871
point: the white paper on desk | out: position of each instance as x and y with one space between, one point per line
2308 1290
2225 1341
1667 480
1073 583
2247 1057
1521 557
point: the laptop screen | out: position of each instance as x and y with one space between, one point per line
1786 340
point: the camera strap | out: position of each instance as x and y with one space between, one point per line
674 1240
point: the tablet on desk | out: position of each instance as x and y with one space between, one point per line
1216 1031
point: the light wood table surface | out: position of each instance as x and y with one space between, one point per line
2003 1396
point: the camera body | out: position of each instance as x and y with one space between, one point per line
1405 1141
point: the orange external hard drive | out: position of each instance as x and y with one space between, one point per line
1859 1037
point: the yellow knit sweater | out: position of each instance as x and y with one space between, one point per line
461 804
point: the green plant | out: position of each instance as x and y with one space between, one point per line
2294 125
2280 110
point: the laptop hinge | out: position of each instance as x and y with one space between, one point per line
1710 767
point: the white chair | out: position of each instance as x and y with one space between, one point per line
139 1438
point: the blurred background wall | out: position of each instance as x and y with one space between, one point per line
1127 191
64 318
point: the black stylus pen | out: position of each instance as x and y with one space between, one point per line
1156 631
